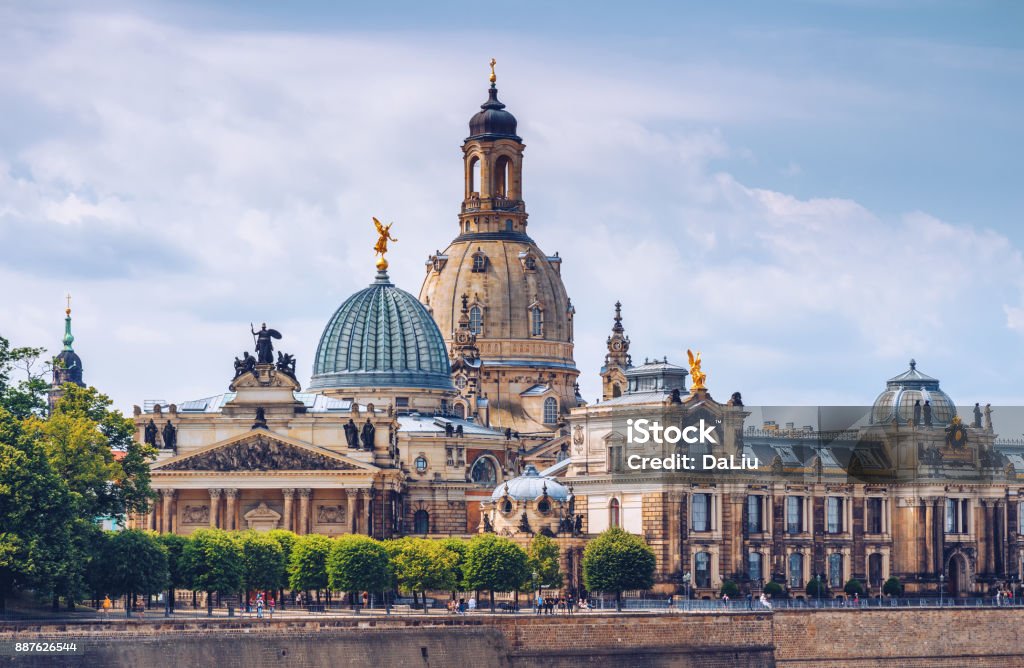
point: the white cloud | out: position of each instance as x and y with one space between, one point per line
195 181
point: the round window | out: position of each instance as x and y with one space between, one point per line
506 507
544 505
421 464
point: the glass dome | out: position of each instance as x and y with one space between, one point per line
902 392
531 485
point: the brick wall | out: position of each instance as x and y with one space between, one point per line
843 638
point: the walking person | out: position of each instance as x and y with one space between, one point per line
539 602
107 605
259 606
472 603
271 604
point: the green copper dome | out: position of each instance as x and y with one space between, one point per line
381 337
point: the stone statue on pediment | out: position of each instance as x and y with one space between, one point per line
368 434
150 432
352 434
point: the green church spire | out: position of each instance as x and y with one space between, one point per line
69 338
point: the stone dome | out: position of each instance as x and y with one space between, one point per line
492 121
531 486
896 402
381 336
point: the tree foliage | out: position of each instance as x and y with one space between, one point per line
544 553
263 565
495 563
213 561
854 586
136 563
308 567
892 587
358 563
616 561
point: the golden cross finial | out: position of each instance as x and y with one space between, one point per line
494 77
68 309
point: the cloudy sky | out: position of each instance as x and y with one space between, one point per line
808 192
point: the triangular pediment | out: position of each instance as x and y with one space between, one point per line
261 450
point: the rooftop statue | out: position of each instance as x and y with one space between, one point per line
381 247
264 344
696 374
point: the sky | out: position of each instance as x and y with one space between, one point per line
810 193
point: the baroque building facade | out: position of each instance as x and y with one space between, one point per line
457 412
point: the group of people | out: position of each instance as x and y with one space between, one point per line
261 605
462 606
567 605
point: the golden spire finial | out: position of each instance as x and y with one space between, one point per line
381 247
67 311
494 77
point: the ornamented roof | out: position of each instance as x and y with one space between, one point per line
492 121
901 392
381 336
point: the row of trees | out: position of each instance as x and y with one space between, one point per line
134 562
58 476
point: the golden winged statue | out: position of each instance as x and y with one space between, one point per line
696 375
381 247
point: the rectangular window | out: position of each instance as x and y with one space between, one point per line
702 569
754 566
401 402
701 512
755 523
958 512
834 514
796 571
835 571
794 514
965 512
874 523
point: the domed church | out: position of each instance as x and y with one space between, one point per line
497 298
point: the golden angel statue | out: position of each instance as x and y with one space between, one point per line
696 375
381 247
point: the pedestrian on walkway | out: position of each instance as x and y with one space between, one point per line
472 603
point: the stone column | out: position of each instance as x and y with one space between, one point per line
214 507
151 518
304 496
289 496
673 532
167 498
350 500
229 513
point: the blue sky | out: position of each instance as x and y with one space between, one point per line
809 192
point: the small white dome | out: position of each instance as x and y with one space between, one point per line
531 485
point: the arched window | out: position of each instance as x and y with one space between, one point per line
754 567
616 390
501 174
613 513
476 319
460 411
508 225
484 471
796 571
536 321
550 410
702 569
421 522
479 263
875 570
506 507
421 464
530 263
474 177
835 570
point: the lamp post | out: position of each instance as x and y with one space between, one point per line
817 589
942 587
535 592
686 585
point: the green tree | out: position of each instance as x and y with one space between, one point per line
773 589
495 563
307 570
35 512
892 587
815 588
413 561
177 573
450 564
854 586
262 560
137 565
213 561
544 553
286 539
616 561
730 589
358 563
26 396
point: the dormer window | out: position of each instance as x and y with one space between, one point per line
479 262
530 263
550 410
476 319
